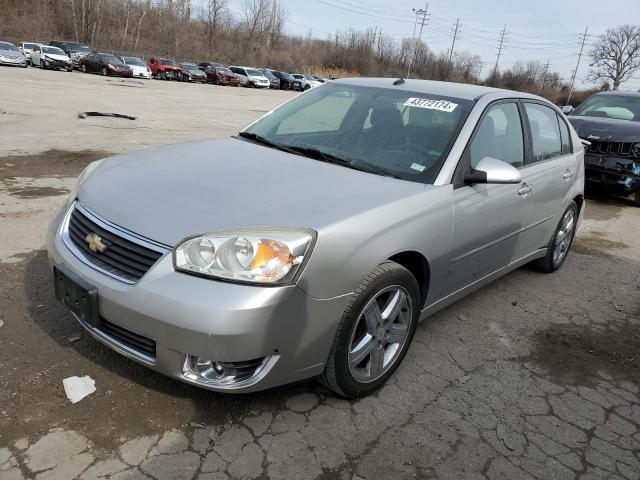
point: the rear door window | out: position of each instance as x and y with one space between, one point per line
545 132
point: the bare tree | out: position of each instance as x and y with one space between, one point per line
616 56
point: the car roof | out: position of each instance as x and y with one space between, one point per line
445 89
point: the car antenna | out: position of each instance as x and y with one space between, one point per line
400 81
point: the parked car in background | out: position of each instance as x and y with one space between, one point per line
205 65
25 48
610 122
74 50
319 79
48 57
221 75
105 64
138 67
287 82
274 82
335 223
192 73
165 69
306 81
10 55
250 77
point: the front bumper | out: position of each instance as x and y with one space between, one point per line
222 321
16 63
621 174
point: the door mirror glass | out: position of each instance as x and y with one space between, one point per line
567 109
492 170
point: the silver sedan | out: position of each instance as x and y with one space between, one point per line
312 243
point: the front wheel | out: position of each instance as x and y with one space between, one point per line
104 72
83 68
636 199
561 242
374 333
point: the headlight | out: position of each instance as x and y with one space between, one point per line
253 256
635 151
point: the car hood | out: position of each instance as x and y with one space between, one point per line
605 129
258 78
137 68
10 53
172 192
56 56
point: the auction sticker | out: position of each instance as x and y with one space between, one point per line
441 105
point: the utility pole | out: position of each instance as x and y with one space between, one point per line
453 44
544 77
495 69
379 40
417 13
575 72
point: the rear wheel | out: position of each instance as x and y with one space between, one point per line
561 242
374 333
636 199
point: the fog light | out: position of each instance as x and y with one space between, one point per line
212 372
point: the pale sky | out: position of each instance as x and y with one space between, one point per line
536 30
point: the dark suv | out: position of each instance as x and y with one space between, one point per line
610 121
75 50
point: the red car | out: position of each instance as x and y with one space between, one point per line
106 64
165 69
220 75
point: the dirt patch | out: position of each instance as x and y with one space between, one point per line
37 192
51 163
596 242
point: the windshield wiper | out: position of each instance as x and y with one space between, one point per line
318 154
266 142
336 160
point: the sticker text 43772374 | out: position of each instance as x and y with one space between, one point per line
441 105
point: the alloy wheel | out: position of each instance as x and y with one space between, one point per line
379 334
564 236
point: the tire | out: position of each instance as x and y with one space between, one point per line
357 377
84 68
70 70
306 87
636 199
553 260
104 72
251 85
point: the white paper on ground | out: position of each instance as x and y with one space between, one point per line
77 388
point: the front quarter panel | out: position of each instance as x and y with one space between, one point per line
348 250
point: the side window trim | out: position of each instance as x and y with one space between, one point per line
464 163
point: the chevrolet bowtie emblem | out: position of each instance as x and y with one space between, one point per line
96 243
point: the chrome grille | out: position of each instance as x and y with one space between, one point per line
127 257
610 148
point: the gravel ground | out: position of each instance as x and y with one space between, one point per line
535 376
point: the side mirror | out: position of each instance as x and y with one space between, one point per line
492 170
567 109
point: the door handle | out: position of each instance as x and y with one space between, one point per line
567 174
525 189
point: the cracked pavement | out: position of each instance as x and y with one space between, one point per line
533 377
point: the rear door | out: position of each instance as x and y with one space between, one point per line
490 218
35 55
551 167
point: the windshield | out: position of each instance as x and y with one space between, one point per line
620 107
268 74
28 46
53 51
167 62
226 71
253 72
77 47
111 59
189 66
134 61
387 131
8 46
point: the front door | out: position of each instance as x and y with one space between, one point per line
490 218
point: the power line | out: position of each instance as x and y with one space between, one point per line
417 13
